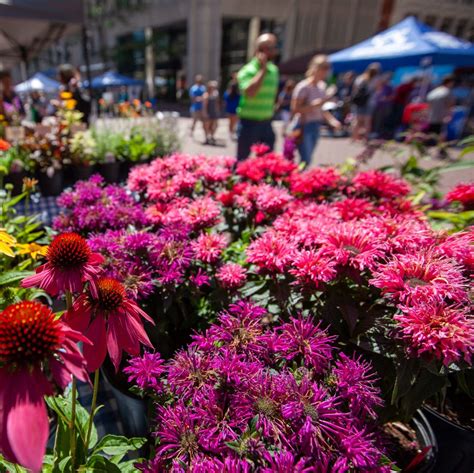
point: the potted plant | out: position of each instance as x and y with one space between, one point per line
108 154
82 154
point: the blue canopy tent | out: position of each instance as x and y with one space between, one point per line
408 43
113 79
39 82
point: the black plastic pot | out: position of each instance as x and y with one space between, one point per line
133 410
110 171
82 173
456 444
125 167
16 180
427 438
51 186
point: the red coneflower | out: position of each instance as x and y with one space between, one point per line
70 263
37 352
111 321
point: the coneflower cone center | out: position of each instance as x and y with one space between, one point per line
111 294
29 333
68 251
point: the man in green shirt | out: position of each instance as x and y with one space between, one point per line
258 83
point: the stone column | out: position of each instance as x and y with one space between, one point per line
290 30
149 62
204 39
254 32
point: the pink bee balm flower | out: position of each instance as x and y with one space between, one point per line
271 252
111 321
432 328
208 247
463 193
380 184
310 268
352 245
260 149
421 275
70 263
37 352
202 213
231 276
272 200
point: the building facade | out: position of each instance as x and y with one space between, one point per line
167 42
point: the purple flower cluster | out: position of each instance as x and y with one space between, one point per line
93 207
248 396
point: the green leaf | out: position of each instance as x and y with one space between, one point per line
457 166
6 466
466 150
64 464
10 277
118 445
97 463
129 466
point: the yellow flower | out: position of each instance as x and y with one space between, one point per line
6 243
32 249
29 184
66 95
70 104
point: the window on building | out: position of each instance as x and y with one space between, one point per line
234 46
461 28
430 20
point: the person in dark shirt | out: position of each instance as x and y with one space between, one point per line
401 99
11 106
70 79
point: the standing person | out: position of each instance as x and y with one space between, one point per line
258 83
440 101
37 106
344 94
232 99
211 111
11 106
362 101
70 79
308 98
196 93
401 99
284 103
383 96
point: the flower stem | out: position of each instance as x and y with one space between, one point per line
93 406
68 300
72 425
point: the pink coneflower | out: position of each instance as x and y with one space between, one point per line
380 184
270 252
111 321
463 193
433 329
208 247
304 341
410 277
231 276
70 263
37 352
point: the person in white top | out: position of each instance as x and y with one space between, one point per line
307 100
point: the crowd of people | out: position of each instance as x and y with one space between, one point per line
363 106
